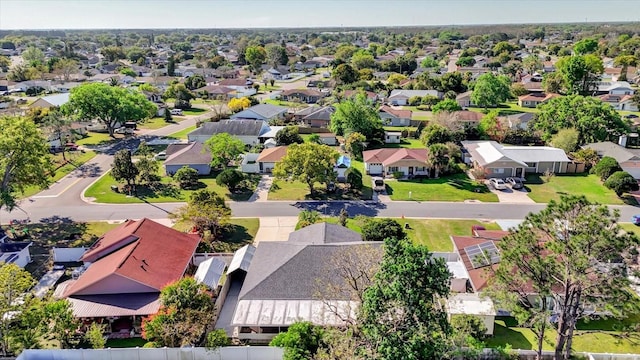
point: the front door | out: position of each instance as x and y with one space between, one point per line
410 170
519 172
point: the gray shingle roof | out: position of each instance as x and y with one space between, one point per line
193 154
324 233
608 148
232 127
267 111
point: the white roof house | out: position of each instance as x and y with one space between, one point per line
210 272
472 304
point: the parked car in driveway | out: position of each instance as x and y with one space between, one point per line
516 183
498 184
162 155
635 219
124 130
378 184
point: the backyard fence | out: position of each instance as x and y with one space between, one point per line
225 353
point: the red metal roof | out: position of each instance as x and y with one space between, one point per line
157 256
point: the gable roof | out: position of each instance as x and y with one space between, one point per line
411 93
210 272
241 259
388 156
142 251
216 89
323 113
477 276
194 153
352 93
260 111
56 99
306 92
232 127
489 152
403 114
343 161
274 154
324 233
607 148
541 97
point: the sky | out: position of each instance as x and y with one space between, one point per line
172 14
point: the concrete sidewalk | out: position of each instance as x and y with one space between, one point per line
262 191
275 228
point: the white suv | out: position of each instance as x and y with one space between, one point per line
498 184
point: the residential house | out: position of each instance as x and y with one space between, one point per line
467 118
533 87
519 121
125 271
392 137
548 66
464 99
394 117
342 165
32 84
14 252
194 155
315 116
281 284
321 84
629 159
614 88
249 131
505 161
328 138
50 101
243 87
264 112
400 97
279 73
270 157
371 96
475 305
620 102
217 92
66 87
308 96
535 99
386 162
475 72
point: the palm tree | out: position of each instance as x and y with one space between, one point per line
438 158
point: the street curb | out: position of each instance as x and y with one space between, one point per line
83 198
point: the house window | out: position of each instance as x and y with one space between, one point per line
498 171
421 168
531 164
393 168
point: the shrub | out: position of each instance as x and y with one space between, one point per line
398 174
230 178
186 177
307 217
605 167
354 178
621 182
380 229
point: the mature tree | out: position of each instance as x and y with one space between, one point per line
588 156
345 74
230 178
580 73
429 62
207 212
621 182
375 229
566 139
625 61
314 138
5 63
255 56
585 46
171 66
491 127
606 167
355 145
288 135
435 134
594 119
123 168
224 148
185 317
572 251
354 178
66 68
448 105
62 324
503 46
276 55
195 82
110 105
147 166
58 126
491 90
28 328
452 81
466 61
301 341
14 282
396 79
532 63
113 53
238 104
518 89
357 115
20 72
24 159
187 177
33 55
308 163
401 316
362 59
180 94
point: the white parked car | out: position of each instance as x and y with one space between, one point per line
378 184
162 155
176 111
498 184
124 130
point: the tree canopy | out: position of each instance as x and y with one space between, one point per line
288 135
595 120
111 105
224 148
308 163
24 159
491 90
573 255
357 115
580 73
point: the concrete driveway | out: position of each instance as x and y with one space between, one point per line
262 191
275 228
512 196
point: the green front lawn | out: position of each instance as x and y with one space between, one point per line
153 123
571 184
194 111
506 332
167 191
182 134
241 232
432 233
74 160
94 138
408 143
296 190
456 187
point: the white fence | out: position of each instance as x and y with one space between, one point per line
68 254
225 353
